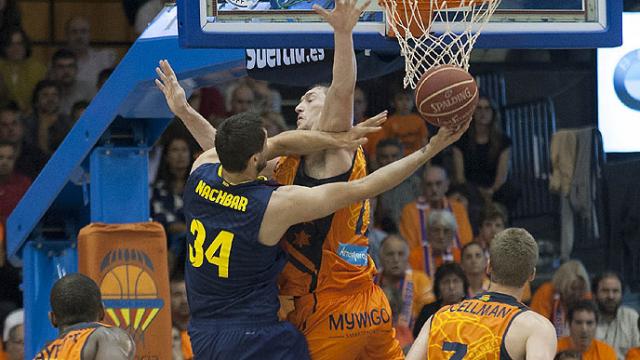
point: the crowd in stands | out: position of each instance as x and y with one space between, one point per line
430 234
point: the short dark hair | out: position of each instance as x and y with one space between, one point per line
605 275
447 269
583 305
41 85
468 245
76 298
389 142
5 40
238 138
63 54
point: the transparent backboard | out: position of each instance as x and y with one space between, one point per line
292 23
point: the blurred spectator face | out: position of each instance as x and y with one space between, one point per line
309 109
7 160
179 304
16 49
490 228
440 236
48 101
388 154
474 260
451 289
178 154
583 329
394 255
483 114
242 99
11 128
65 70
15 344
359 105
609 295
436 184
403 103
78 33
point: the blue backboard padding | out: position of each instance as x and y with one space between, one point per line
130 93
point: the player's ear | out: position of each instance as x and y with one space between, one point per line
487 270
533 275
52 319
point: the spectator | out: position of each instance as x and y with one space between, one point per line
568 355
90 61
273 122
481 157
64 70
12 184
472 200
450 287
493 219
408 290
47 125
9 15
241 98
583 319
166 198
12 129
618 323
634 353
404 124
266 98
389 205
13 335
180 315
19 71
439 249
569 284
77 110
474 264
413 219
103 76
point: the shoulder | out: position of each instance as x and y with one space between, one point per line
113 336
605 349
534 322
631 313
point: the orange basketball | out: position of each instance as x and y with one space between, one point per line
447 96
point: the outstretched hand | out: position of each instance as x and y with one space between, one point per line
356 136
446 137
170 87
344 16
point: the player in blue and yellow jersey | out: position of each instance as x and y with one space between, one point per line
236 220
77 308
494 325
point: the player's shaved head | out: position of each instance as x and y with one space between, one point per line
75 298
513 257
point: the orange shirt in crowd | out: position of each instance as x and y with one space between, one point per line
3 355
598 350
418 260
633 354
409 129
411 224
546 302
185 340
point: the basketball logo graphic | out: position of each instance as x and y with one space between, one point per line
129 292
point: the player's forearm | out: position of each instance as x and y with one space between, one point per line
337 114
198 127
301 142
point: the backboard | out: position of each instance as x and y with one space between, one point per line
516 24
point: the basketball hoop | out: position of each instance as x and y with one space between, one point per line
436 32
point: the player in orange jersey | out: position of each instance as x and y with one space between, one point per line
495 324
77 307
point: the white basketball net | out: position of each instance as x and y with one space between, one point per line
447 37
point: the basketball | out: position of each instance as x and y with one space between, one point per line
447 96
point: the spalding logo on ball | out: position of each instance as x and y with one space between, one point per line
447 96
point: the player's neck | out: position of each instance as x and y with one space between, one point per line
239 177
506 290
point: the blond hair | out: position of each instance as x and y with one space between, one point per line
566 274
513 256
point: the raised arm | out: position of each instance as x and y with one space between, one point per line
304 142
198 126
337 113
297 204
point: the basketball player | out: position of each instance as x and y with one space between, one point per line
236 221
495 324
76 307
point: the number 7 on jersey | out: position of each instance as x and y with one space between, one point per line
222 243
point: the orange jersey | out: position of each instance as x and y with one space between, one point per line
69 345
474 328
413 222
410 129
329 253
598 350
185 341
